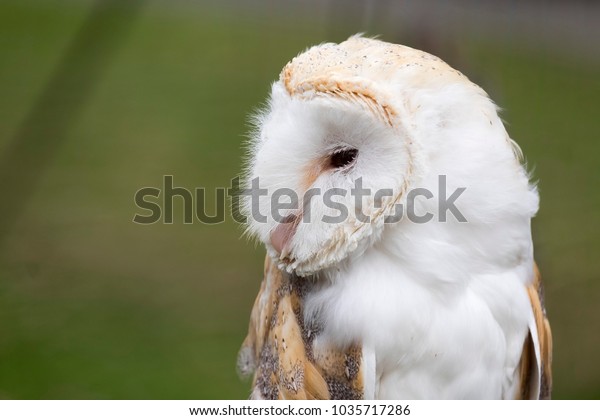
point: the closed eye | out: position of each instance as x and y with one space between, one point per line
343 158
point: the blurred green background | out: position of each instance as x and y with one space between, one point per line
101 98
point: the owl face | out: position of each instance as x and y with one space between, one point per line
328 172
351 131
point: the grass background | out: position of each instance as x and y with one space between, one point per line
95 306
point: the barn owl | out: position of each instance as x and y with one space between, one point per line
375 306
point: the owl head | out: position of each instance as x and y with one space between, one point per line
349 131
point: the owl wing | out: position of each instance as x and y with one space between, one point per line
281 350
536 359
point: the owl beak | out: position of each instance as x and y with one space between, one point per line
281 236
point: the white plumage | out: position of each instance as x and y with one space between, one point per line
367 309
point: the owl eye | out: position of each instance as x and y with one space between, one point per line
343 158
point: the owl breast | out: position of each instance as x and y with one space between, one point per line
426 342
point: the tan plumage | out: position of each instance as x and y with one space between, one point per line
529 365
280 349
